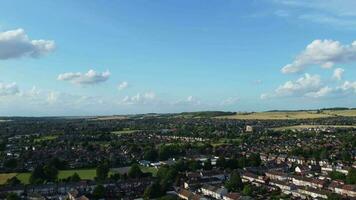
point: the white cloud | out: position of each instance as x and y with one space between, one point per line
230 101
145 98
8 89
322 52
123 85
89 78
348 86
300 87
190 100
15 44
338 73
322 92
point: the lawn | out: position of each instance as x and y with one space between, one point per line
83 173
46 138
25 177
151 170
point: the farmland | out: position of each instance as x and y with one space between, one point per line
290 115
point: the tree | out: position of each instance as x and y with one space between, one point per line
12 196
221 162
255 160
102 171
11 163
75 177
207 165
351 176
234 184
247 190
151 155
334 196
50 173
135 171
13 181
99 192
37 175
153 191
335 175
59 164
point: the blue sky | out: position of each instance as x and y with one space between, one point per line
138 56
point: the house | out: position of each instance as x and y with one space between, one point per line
188 195
343 189
310 182
281 158
302 169
315 193
214 174
249 129
232 196
254 179
285 186
274 175
215 192
74 195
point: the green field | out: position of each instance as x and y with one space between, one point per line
83 173
290 115
46 138
25 177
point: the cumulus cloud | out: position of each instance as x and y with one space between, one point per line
306 84
123 85
324 53
16 44
338 72
8 89
190 100
324 91
348 86
145 98
89 78
230 101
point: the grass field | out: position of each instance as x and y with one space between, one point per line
83 173
46 138
311 126
124 132
290 115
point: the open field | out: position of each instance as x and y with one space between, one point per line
124 132
290 115
46 138
83 173
311 126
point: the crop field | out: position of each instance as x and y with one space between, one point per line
311 126
291 115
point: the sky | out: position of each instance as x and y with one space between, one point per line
140 56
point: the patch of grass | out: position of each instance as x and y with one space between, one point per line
24 177
46 138
124 132
83 173
4 177
151 170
